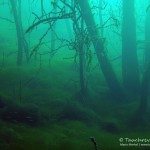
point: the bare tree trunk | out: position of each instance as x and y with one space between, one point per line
130 70
25 44
82 61
22 43
19 33
42 8
145 91
97 41
147 38
53 36
101 17
68 24
53 42
146 78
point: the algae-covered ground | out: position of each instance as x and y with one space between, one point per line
41 108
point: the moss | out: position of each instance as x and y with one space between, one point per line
61 121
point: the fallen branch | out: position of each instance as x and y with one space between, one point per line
64 16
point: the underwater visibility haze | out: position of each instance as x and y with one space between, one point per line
74 74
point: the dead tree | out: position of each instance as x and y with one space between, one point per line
84 11
19 34
147 37
97 41
22 44
82 61
143 107
130 70
25 44
53 36
100 16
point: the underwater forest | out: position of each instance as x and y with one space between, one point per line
74 74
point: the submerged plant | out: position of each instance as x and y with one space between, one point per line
94 142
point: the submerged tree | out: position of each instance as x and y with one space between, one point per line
53 36
147 36
22 43
100 16
81 10
145 85
129 50
98 44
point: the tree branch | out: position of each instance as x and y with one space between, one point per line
64 16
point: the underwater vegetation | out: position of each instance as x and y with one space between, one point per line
74 74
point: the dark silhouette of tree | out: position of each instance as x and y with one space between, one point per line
143 107
147 37
22 43
78 11
98 43
130 70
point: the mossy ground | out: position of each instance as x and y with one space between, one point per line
66 123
